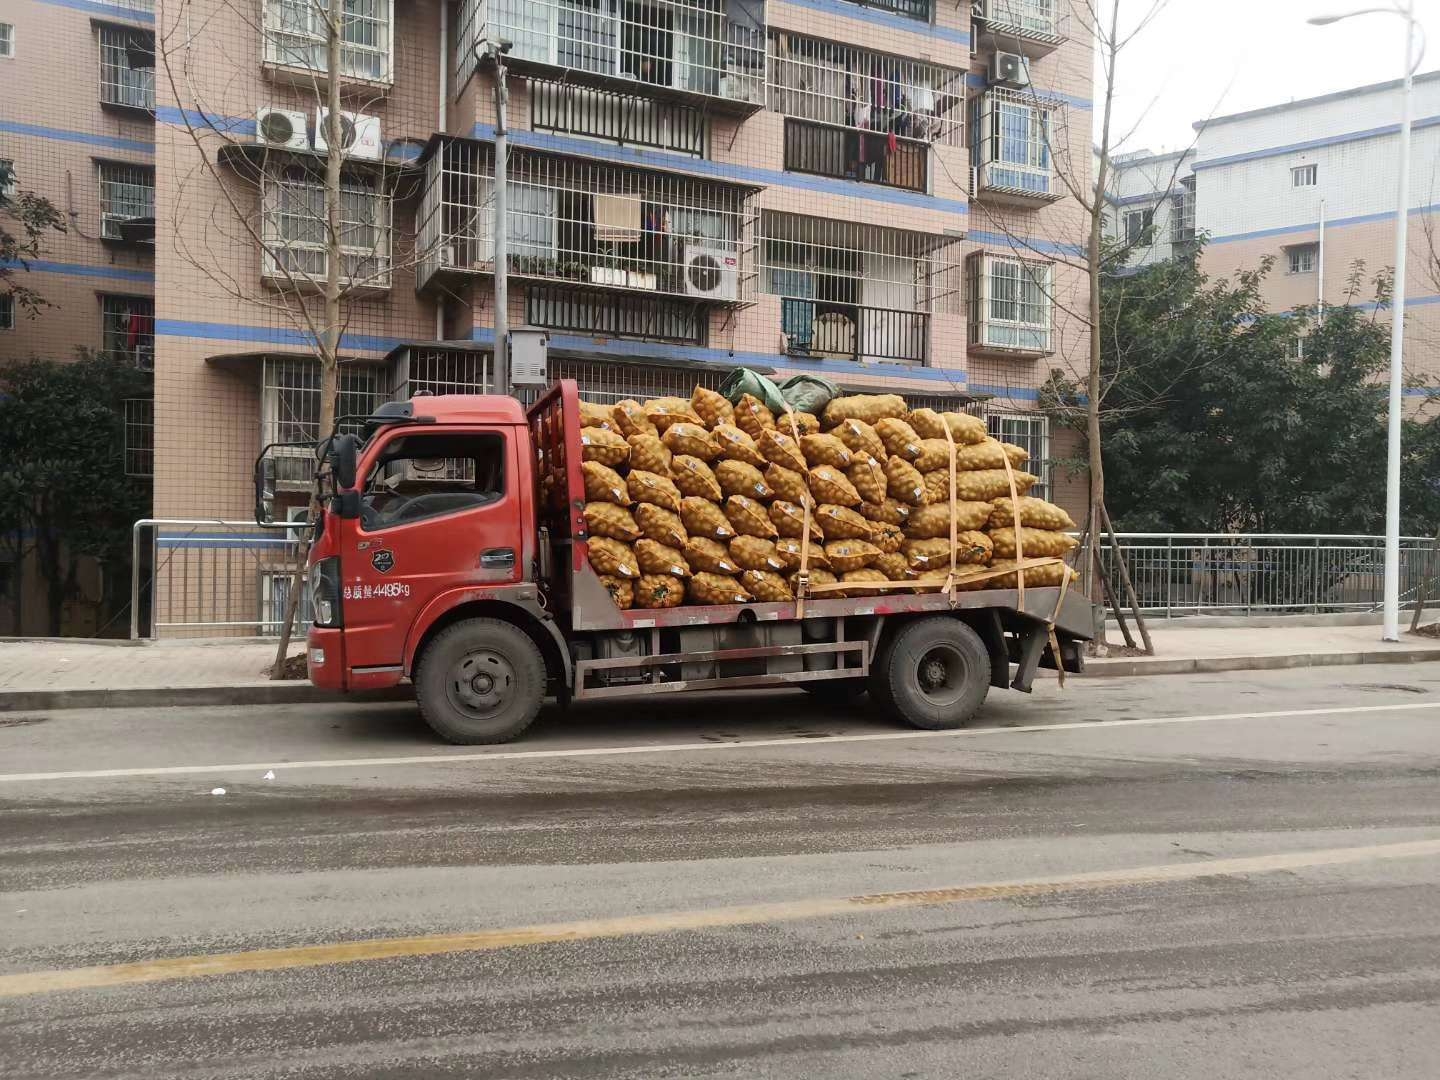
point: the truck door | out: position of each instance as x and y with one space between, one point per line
440 510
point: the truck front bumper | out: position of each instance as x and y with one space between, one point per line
325 658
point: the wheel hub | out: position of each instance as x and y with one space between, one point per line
937 673
482 683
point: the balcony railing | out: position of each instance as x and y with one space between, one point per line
847 154
1015 137
909 9
1032 27
620 116
586 223
828 330
707 49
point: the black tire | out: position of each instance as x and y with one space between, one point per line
480 681
934 674
842 693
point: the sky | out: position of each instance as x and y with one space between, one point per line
1215 57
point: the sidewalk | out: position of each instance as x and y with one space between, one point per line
78 674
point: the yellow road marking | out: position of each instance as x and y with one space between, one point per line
349 952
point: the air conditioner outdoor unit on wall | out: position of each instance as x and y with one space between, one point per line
711 273
359 135
281 127
1009 69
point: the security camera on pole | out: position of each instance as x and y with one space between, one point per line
500 380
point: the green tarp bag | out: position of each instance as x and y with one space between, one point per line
803 393
743 381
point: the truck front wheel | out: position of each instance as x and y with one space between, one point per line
934 674
480 681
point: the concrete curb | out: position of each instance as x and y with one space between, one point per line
1159 665
289 692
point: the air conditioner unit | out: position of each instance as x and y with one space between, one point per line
1009 69
711 273
359 135
281 127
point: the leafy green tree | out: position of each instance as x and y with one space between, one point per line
25 218
64 494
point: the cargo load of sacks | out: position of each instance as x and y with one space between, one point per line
705 502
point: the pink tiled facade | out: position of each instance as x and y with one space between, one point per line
229 341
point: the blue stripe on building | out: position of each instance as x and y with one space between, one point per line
1024 244
1337 223
1316 144
106 142
269 335
887 19
104 11
80 270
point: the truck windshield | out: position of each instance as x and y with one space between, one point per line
419 476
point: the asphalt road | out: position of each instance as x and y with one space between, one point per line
1186 876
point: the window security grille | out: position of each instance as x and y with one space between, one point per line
126 192
294 229
1010 305
121 84
295 35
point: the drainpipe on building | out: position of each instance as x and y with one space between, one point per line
1320 271
441 127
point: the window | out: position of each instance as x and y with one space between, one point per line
290 409
1182 212
7 312
127 192
295 36
121 84
1011 135
139 436
128 330
644 318
1032 433
7 179
1304 176
425 476
1137 224
1010 304
7 40
294 228
1301 259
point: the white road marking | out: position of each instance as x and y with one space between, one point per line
674 748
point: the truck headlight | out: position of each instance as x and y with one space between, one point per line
325 593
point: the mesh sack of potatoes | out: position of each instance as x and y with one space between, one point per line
649 453
846 555
620 590
782 449
711 407
1035 543
693 477
661 525
842 523
691 439
990 454
630 419
662 412
753 416
709 556
899 438
708 588
971 549
749 518
829 485
738 478
735 445
890 512
766 586
753 553
825 450
612 558
964 428
789 520
895 566
607 519
703 518
603 484
860 438
927 522
787 551
601 416
656 558
935 454
868 476
887 538
659 591
818 576
649 487
787 484
858 582
1034 514
983 485
1047 576
867 407
937 486
795 422
904 482
603 445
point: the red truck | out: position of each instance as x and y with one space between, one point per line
450 550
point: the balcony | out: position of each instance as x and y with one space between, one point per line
1011 306
1033 28
585 223
919 10
847 154
831 331
709 52
1014 138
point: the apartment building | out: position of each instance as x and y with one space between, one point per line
875 192
1151 206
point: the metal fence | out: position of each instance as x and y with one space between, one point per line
1272 574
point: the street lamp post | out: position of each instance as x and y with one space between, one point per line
1406 10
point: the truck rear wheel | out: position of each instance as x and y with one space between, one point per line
934 674
480 681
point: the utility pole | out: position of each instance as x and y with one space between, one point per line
500 380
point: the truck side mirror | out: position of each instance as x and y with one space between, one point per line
265 489
344 451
